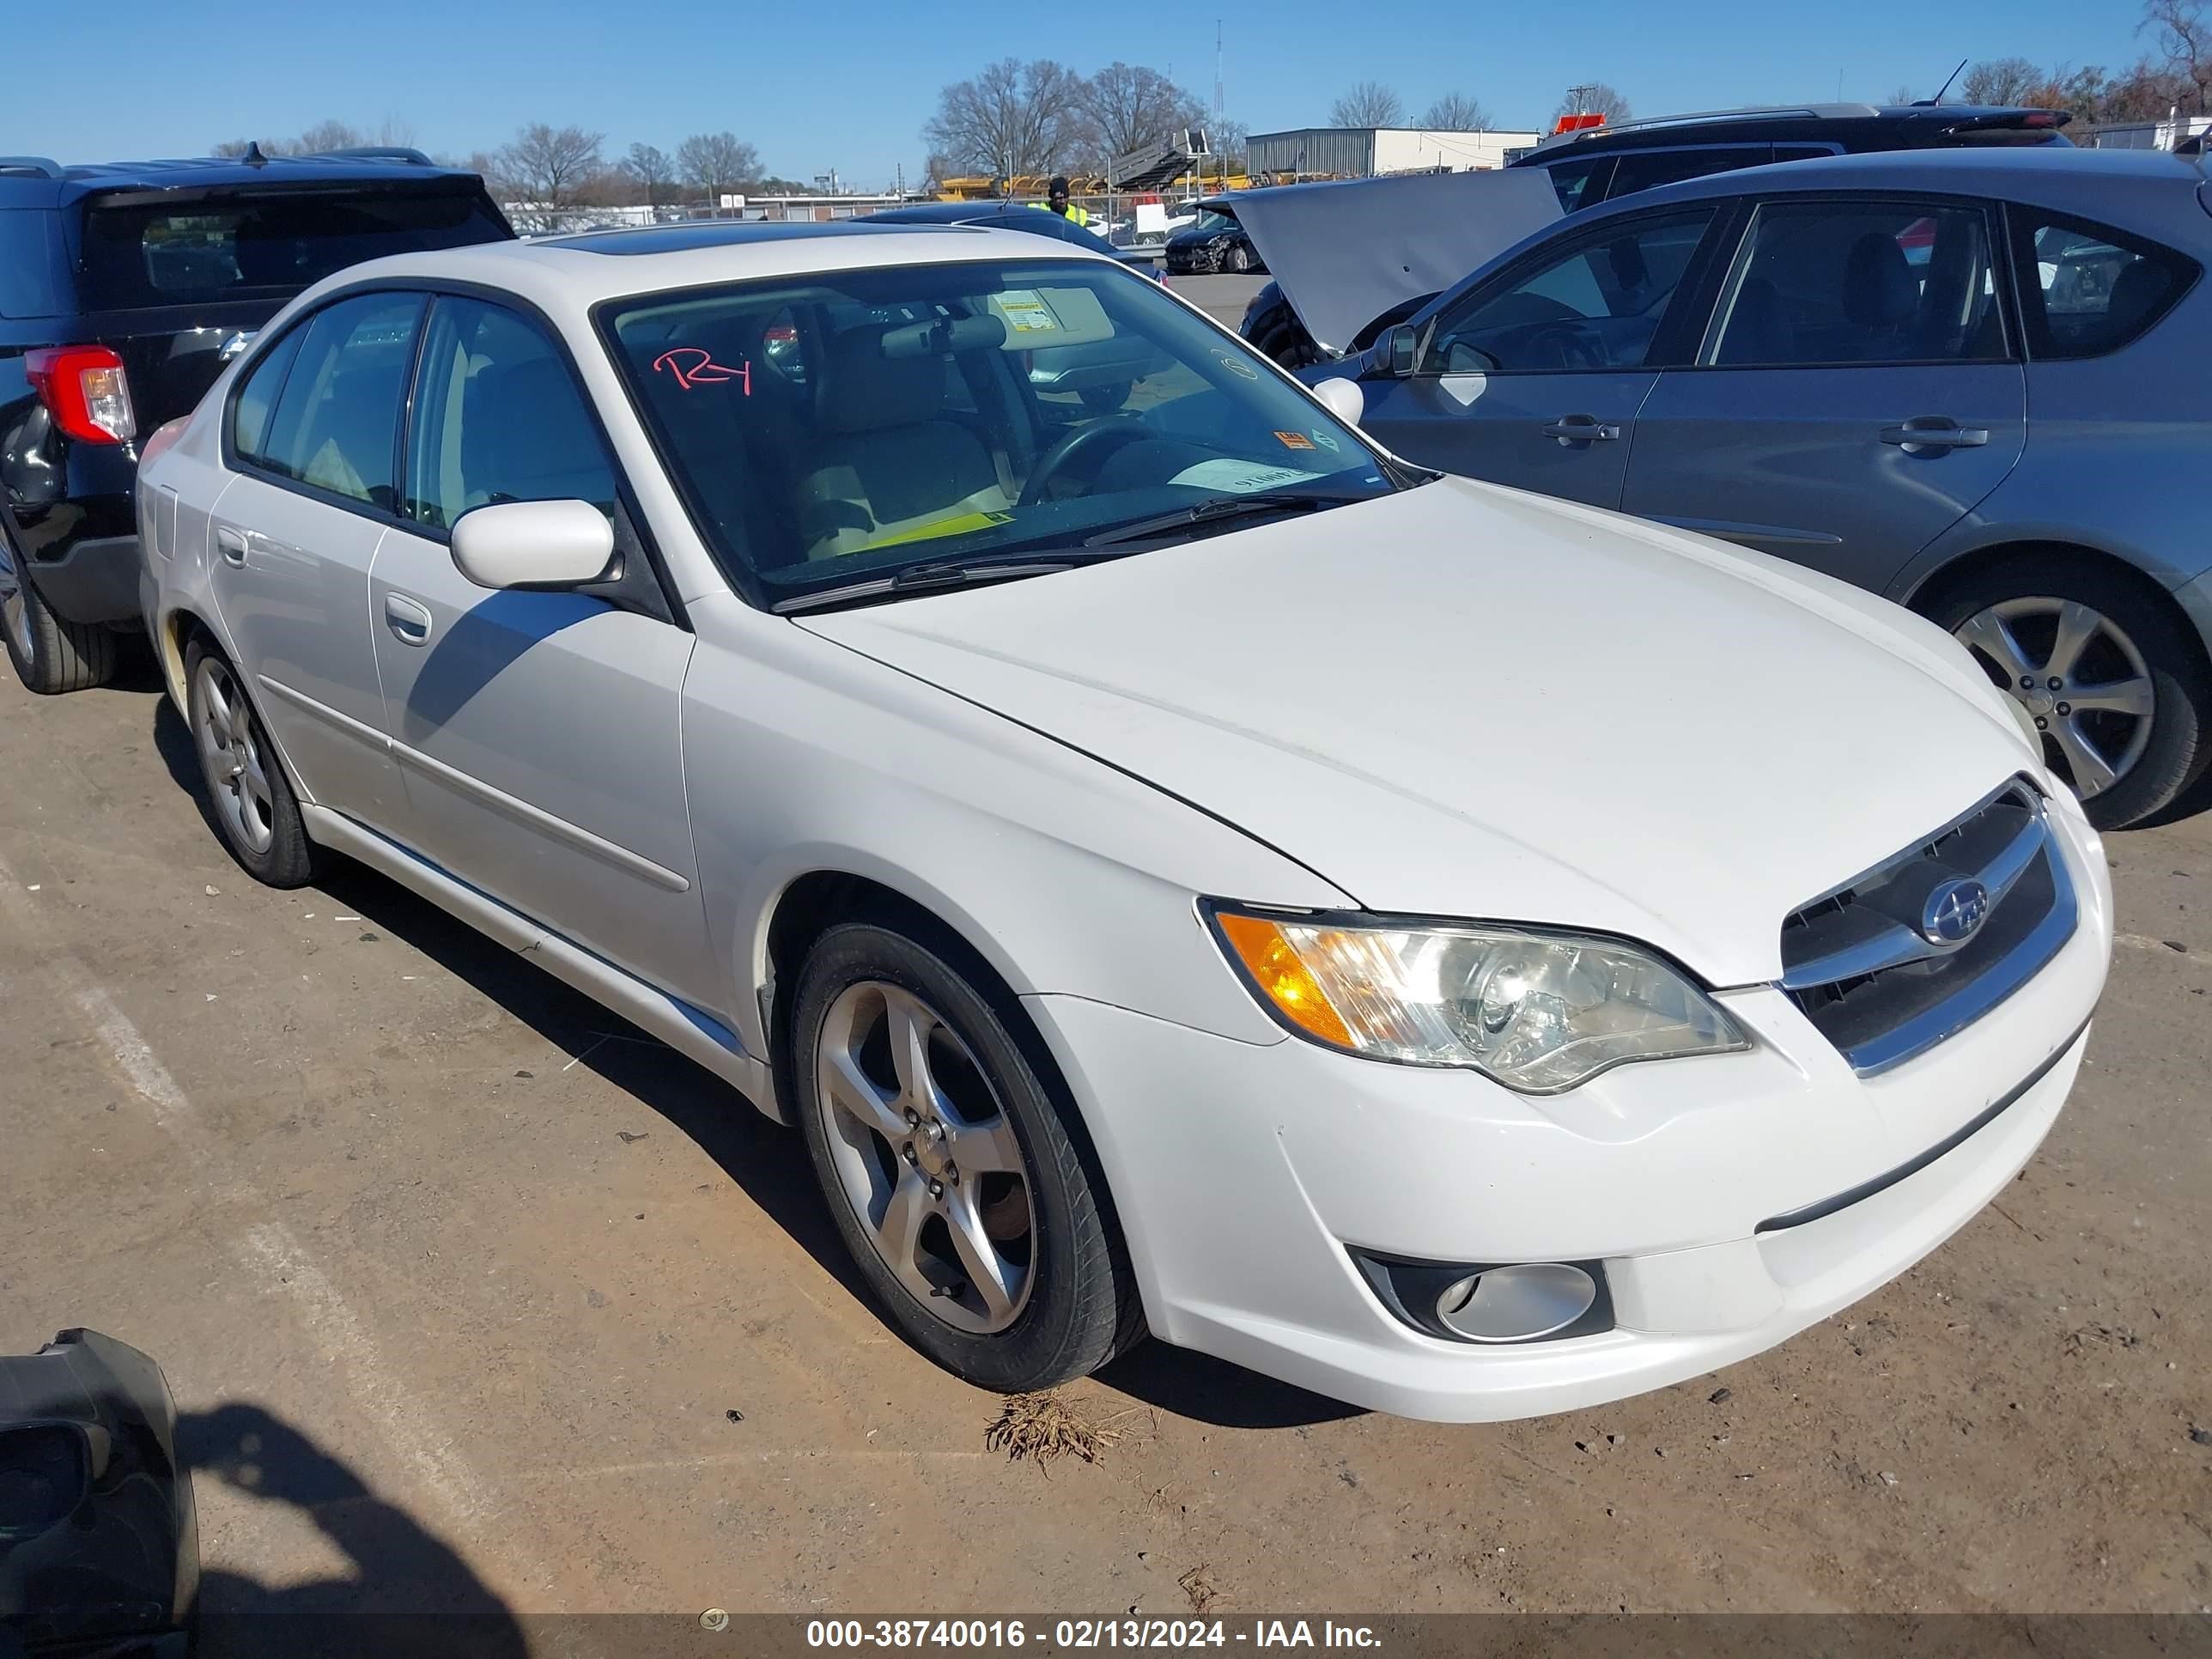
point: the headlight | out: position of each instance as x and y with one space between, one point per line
1539 1012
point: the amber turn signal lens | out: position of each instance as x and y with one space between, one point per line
1282 978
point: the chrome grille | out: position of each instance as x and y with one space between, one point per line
1857 962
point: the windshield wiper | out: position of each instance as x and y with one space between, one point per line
1222 510
934 577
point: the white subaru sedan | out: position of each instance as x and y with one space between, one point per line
1181 867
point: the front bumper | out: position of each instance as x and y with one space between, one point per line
1246 1173
1195 261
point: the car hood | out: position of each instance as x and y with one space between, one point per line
1345 251
1465 700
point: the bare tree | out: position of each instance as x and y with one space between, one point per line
323 136
1456 113
546 170
652 171
1129 105
1369 104
2001 80
2183 35
1012 119
1902 95
716 163
1594 98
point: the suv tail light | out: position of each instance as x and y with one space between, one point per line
84 388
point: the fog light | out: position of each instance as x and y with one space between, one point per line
1517 1304
1492 1303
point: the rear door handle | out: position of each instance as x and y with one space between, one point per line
1570 429
230 542
409 622
1932 434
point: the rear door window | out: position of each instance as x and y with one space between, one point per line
1859 282
1648 169
137 253
336 424
2087 289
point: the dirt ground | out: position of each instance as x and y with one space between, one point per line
471 1296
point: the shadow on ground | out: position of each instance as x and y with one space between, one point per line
768 1163
407 1593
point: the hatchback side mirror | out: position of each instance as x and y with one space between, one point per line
1400 352
533 544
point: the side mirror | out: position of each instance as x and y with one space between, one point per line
1342 399
1400 352
533 544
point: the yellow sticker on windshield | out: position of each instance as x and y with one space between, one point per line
1027 313
960 525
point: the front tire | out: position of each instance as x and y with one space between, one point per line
2103 668
50 655
1237 260
951 1170
255 810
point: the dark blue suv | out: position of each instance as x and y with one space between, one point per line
124 289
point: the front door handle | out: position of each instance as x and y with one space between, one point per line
1932 435
1572 429
409 622
230 542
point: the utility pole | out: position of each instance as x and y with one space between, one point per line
1579 96
1213 137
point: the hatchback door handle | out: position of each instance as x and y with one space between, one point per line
409 622
1571 429
230 542
1931 434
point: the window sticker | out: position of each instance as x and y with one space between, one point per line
1241 477
1236 365
693 365
1294 441
1028 311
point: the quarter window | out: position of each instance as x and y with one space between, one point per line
498 417
2087 289
336 424
1827 283
1597 307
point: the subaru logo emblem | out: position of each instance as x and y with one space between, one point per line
1954 912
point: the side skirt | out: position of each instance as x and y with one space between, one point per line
688 1030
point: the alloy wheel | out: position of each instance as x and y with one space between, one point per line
2080 678
926 1155
237 770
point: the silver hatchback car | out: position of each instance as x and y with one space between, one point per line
1973 381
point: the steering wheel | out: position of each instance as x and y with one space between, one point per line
1571 338
1111 433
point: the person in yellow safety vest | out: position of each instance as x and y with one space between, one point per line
1056 202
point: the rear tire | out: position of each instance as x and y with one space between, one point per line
50 655
1056 1299
256 813
2050 616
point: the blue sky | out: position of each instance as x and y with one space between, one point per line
848 84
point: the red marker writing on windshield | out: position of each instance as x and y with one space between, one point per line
692 366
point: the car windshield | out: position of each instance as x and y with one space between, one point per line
1208 223
832 429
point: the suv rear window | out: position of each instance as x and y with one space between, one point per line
140 253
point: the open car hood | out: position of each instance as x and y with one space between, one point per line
1343 253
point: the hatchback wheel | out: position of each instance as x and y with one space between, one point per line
949 1169
2105 674
255 810
48 654
1237 260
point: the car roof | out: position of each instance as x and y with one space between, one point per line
567 276
1716 127
2092 182
947 213
35 181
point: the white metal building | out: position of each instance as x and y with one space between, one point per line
1362 152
